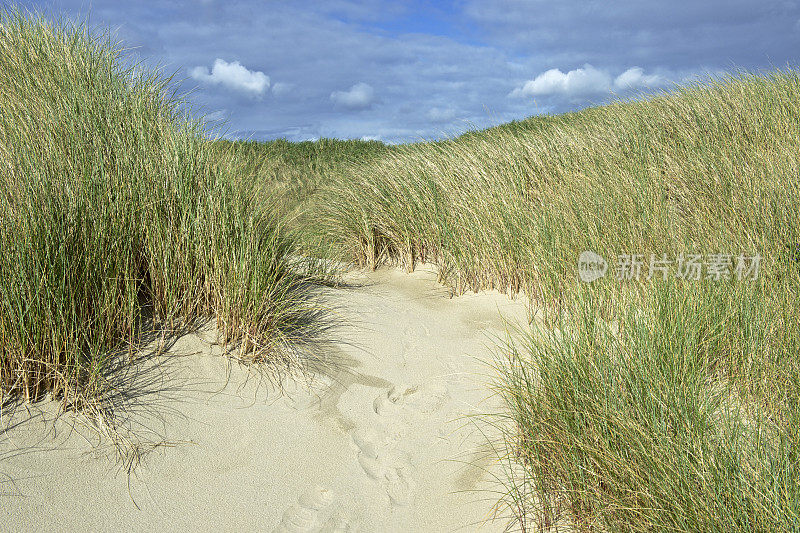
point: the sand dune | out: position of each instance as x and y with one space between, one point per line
377 442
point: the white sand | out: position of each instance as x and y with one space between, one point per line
379 444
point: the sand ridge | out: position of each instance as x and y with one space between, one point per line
382 440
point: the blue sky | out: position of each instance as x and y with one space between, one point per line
406 70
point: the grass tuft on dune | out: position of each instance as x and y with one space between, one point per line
116 215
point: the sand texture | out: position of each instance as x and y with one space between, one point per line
383 439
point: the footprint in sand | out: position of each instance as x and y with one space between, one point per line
424 399
390 402
376 457
338 524
416 331
399 485
413 336
304 516
376 447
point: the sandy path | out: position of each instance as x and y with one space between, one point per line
377 445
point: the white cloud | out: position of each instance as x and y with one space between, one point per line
579 82
635 78
371 138
233 75
282 89
586 81
359 96
437 114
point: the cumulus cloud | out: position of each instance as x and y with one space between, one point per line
585 81
233 75
635 78
412 70
359 96
579 82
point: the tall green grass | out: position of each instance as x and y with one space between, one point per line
679 415
294 172
641 404
713 165
117 215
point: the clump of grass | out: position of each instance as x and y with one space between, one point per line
115 211
640 405
679 415
510 208
294 172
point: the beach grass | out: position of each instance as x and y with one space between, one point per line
647 403
634 404
294 171
117 215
